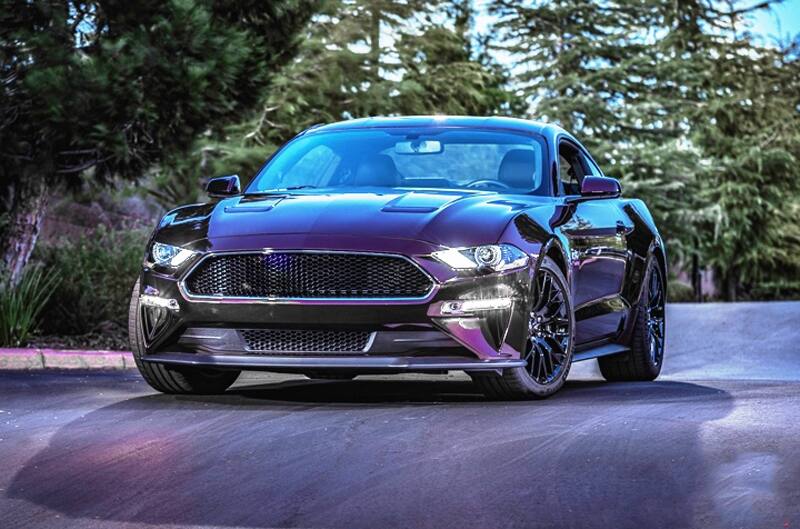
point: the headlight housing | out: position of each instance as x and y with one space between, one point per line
493 257
168 255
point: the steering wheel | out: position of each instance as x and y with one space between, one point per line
488 182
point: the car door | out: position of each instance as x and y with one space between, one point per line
597 230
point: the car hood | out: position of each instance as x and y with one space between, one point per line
443 218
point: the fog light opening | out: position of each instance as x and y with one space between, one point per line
469 306
162 303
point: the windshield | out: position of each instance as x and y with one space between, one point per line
425 157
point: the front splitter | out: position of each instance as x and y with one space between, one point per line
364 363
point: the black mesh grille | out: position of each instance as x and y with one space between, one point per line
308 275
305 341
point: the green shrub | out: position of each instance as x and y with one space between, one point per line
22 304
776 291
97 273
678 292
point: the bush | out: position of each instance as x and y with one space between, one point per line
97 273
678 292
21 305
776 291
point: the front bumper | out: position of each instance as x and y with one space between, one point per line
416 335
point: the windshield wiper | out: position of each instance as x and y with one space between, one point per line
292 188
281 190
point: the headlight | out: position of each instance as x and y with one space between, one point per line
168 255
496 257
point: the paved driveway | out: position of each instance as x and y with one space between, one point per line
715 442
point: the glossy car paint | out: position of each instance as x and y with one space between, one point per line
602 245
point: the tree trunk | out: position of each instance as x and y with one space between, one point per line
730 285
697 280
375 41
24 223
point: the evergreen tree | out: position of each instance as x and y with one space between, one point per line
113 86
442 74
592 67
750 181
739 101
665 93
421 61
341 71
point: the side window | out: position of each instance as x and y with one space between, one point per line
593 169
570 171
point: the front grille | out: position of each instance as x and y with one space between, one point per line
308 275
305 341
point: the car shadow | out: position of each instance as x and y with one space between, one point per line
378 453
406 392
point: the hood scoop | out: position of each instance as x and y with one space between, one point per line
415 202
259 205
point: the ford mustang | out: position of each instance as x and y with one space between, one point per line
494 246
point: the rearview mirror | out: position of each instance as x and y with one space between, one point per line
224 186
600 187
418 147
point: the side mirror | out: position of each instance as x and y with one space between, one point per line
600 187
224 186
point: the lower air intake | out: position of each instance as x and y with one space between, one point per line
305 341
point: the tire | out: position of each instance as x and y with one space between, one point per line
640 363
519 383
185 380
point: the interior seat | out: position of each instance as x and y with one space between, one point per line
377 170
518 169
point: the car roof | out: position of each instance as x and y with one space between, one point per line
494 122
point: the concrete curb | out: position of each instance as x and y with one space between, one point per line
29 359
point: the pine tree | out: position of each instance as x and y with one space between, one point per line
592 68
750 136
114 86
422 61
443 74
738 101
678 103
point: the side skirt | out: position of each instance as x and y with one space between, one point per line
601 350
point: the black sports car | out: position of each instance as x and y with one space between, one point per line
423 244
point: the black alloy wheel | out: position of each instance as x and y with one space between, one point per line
654 313
646 355
549 330
548 351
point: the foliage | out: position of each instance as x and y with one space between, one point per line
678 292
685 107
677 99
116 86
751 186
776 290
348 67
21 304
97 273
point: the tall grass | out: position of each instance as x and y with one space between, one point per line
22 304
97 272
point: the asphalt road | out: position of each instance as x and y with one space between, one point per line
715 442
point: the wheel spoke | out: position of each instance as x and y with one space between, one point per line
550 328
544 293
548 356
557 350
652 344
540 363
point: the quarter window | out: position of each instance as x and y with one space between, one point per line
570 169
